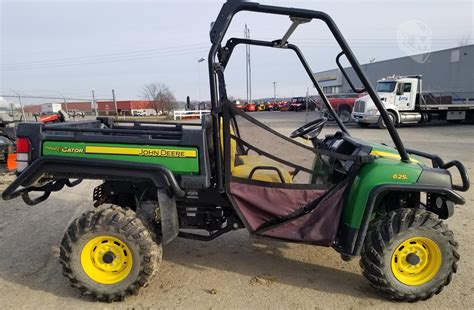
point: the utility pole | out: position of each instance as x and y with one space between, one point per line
199 77
115 103
22 109
94 104
12 108
21 105
65 105
248 65
250 69
274 92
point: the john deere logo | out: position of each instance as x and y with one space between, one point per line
146 152
162 153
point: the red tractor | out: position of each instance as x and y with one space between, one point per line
58 117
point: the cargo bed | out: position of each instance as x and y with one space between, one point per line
166 154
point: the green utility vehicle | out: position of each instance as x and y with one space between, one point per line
199 181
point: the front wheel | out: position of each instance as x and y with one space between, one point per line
109 254
391 116
409 255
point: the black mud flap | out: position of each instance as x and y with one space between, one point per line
169 216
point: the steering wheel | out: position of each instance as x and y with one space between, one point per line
310 130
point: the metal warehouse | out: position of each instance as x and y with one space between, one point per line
444 71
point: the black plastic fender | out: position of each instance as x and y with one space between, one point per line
353 242
448 194
69 168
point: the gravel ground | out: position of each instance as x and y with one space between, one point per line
233 271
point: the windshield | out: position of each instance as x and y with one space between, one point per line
386 87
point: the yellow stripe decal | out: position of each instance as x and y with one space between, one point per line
390 155
147 152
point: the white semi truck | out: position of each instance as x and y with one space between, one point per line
407 103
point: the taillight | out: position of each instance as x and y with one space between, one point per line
22 145
22 153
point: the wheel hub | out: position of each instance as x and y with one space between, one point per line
416 261
106 259
413 259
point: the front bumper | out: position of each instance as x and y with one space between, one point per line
365 118
437 162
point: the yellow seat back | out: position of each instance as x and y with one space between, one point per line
243 171
233 145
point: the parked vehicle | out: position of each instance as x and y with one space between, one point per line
250 107
283 106
270 106
50 108
7 133
343 104
239 105
299 104
261 107
7 144
407 103
76 114
58 117
163 180
139 113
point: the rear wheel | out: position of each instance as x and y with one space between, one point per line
409 255
345 115
109 254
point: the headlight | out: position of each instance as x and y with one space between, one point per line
373 111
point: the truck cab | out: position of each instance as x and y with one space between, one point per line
406 102
398 94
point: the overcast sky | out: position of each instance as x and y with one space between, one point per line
71 47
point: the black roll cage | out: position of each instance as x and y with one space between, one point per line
219 56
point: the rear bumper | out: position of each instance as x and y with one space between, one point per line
365 118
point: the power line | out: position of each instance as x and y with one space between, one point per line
48 97
109 60
105 56
183 49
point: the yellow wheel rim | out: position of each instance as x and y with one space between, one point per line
106 260
416 261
